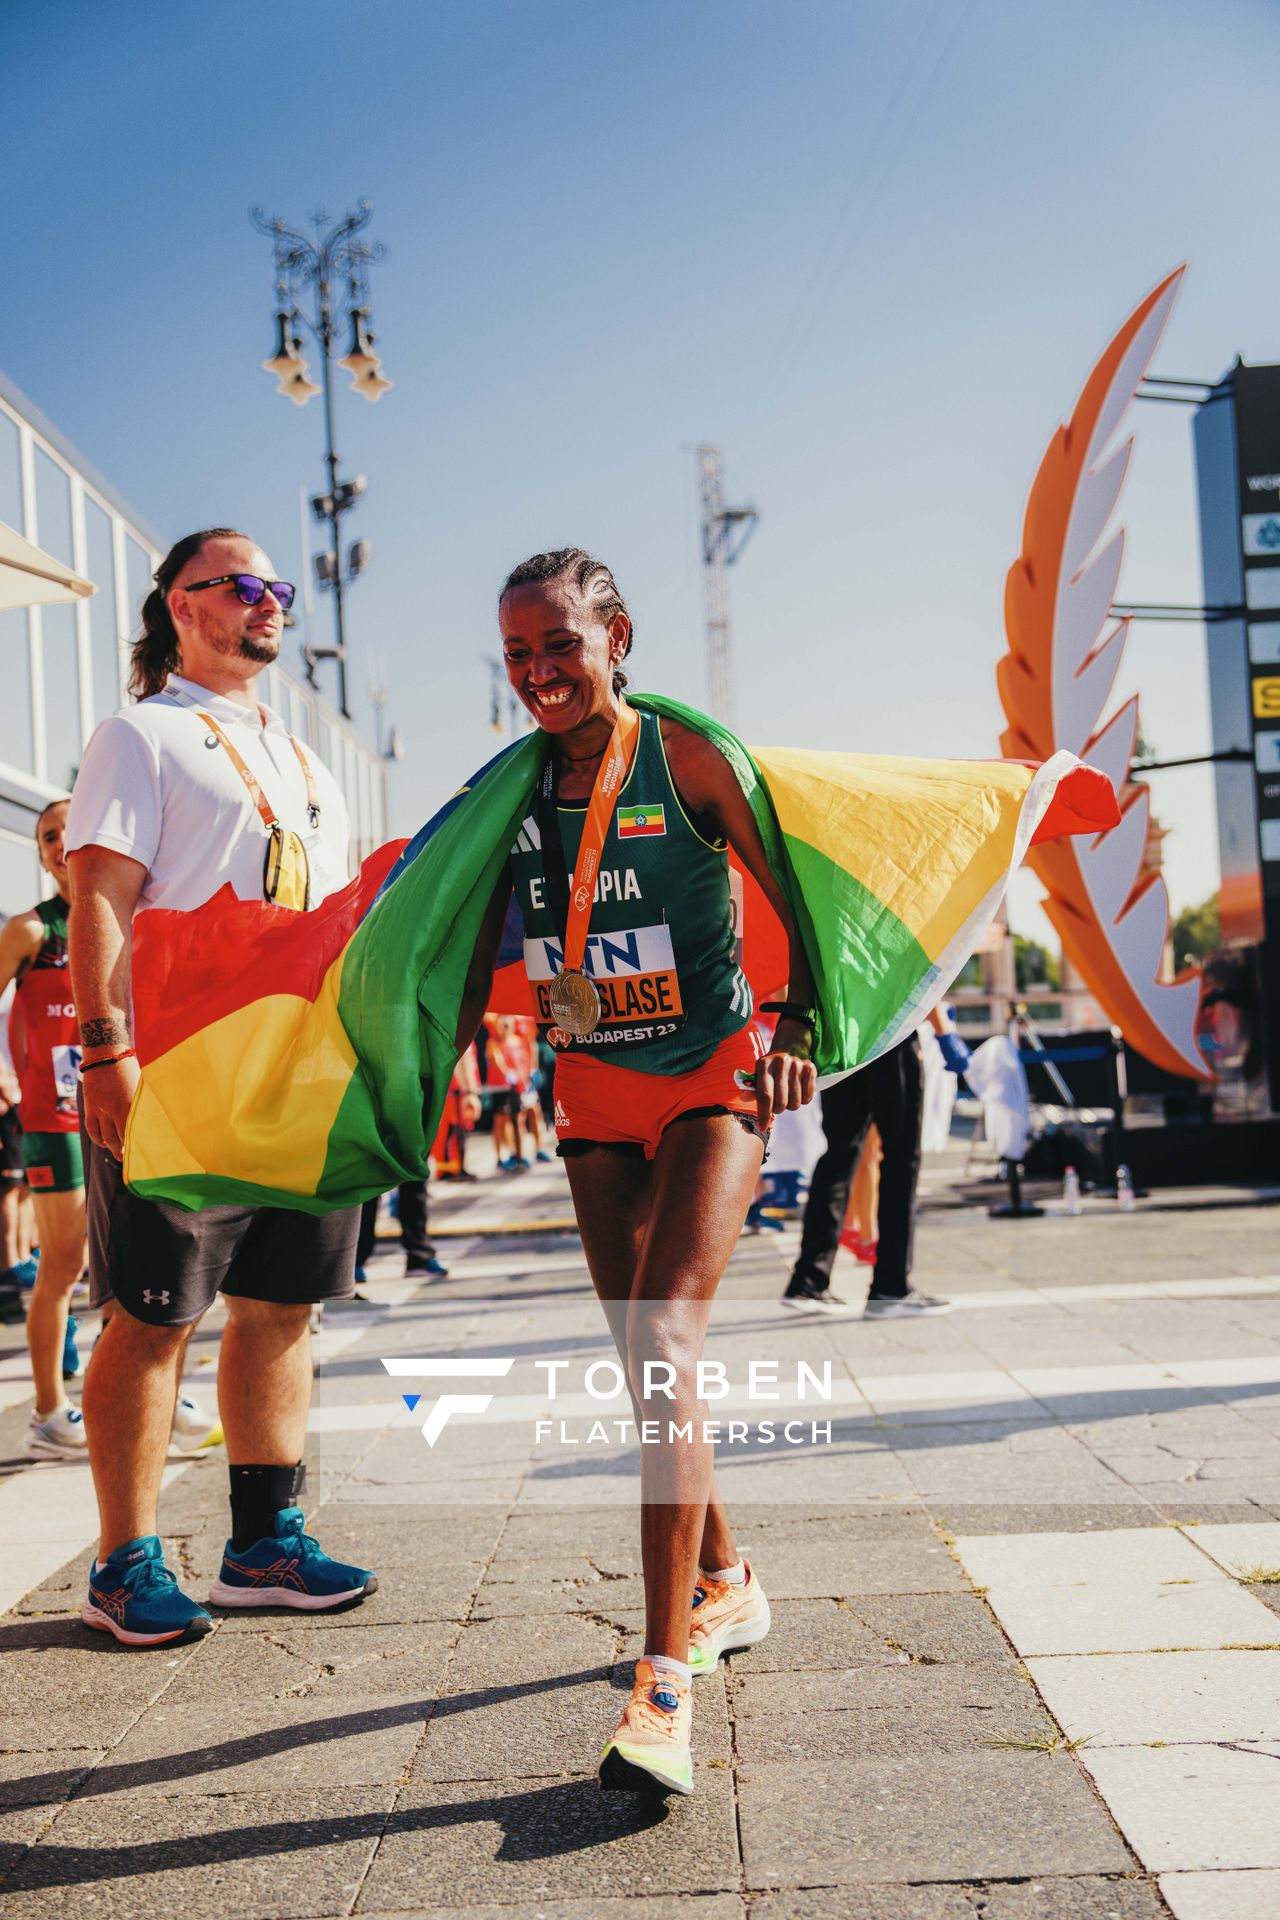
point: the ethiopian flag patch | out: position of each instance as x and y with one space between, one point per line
640 823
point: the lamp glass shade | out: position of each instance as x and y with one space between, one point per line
300 389
372 385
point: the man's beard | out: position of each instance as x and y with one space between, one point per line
245 646
262 652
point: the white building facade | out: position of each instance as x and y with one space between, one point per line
62 669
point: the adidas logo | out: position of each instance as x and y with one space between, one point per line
561 1117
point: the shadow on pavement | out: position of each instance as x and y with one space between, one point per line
537 1824
129 1776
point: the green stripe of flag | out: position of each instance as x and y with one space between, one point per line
867 964
405 970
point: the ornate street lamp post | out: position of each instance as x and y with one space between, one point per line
332 269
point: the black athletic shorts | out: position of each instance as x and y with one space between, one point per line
165 1265
13 1169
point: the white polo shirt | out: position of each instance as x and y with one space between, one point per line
156 785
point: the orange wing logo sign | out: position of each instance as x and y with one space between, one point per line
1065 647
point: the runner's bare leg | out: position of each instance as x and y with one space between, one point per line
617 1191
675 1225
129 1394
61 1222
264 1381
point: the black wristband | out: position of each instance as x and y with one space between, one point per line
792 1010
114 1061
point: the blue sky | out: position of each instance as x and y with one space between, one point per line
871 250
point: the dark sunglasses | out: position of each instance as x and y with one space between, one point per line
250 588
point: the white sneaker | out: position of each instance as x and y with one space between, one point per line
903 1306
59 1436
804 1297
193 1431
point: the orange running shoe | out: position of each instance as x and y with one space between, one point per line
725 1619
649 1752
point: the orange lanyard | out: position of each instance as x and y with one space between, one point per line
259 798
613 770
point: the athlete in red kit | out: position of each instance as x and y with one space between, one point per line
45 1042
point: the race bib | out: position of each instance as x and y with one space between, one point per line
66 1077
634 973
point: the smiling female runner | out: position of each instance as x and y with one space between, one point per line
664 1092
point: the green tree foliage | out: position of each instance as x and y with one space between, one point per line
1034 965
1195 933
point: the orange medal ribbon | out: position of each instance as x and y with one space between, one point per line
573 999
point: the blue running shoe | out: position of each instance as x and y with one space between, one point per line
419 1264
23 1275
758 1220
133 1595
289 1570
72 1364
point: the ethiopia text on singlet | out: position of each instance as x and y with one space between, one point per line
665 939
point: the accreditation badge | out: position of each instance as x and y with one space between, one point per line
286 873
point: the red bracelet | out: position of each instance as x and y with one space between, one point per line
114 1061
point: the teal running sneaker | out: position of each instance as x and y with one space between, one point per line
72 1364
133 1595
289 1570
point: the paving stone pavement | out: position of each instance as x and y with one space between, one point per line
1025 1659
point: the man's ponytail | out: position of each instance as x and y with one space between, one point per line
157 653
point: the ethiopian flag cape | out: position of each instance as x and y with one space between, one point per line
302 1060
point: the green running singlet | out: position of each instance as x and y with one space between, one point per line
665 942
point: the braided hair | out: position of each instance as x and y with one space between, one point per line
594 580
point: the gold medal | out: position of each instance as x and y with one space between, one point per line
574 1002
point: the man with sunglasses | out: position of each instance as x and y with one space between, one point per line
197 787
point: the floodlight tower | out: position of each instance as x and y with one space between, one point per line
725 532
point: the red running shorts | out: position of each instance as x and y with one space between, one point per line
600 1105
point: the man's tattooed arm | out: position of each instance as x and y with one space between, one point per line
104 895
111 1032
